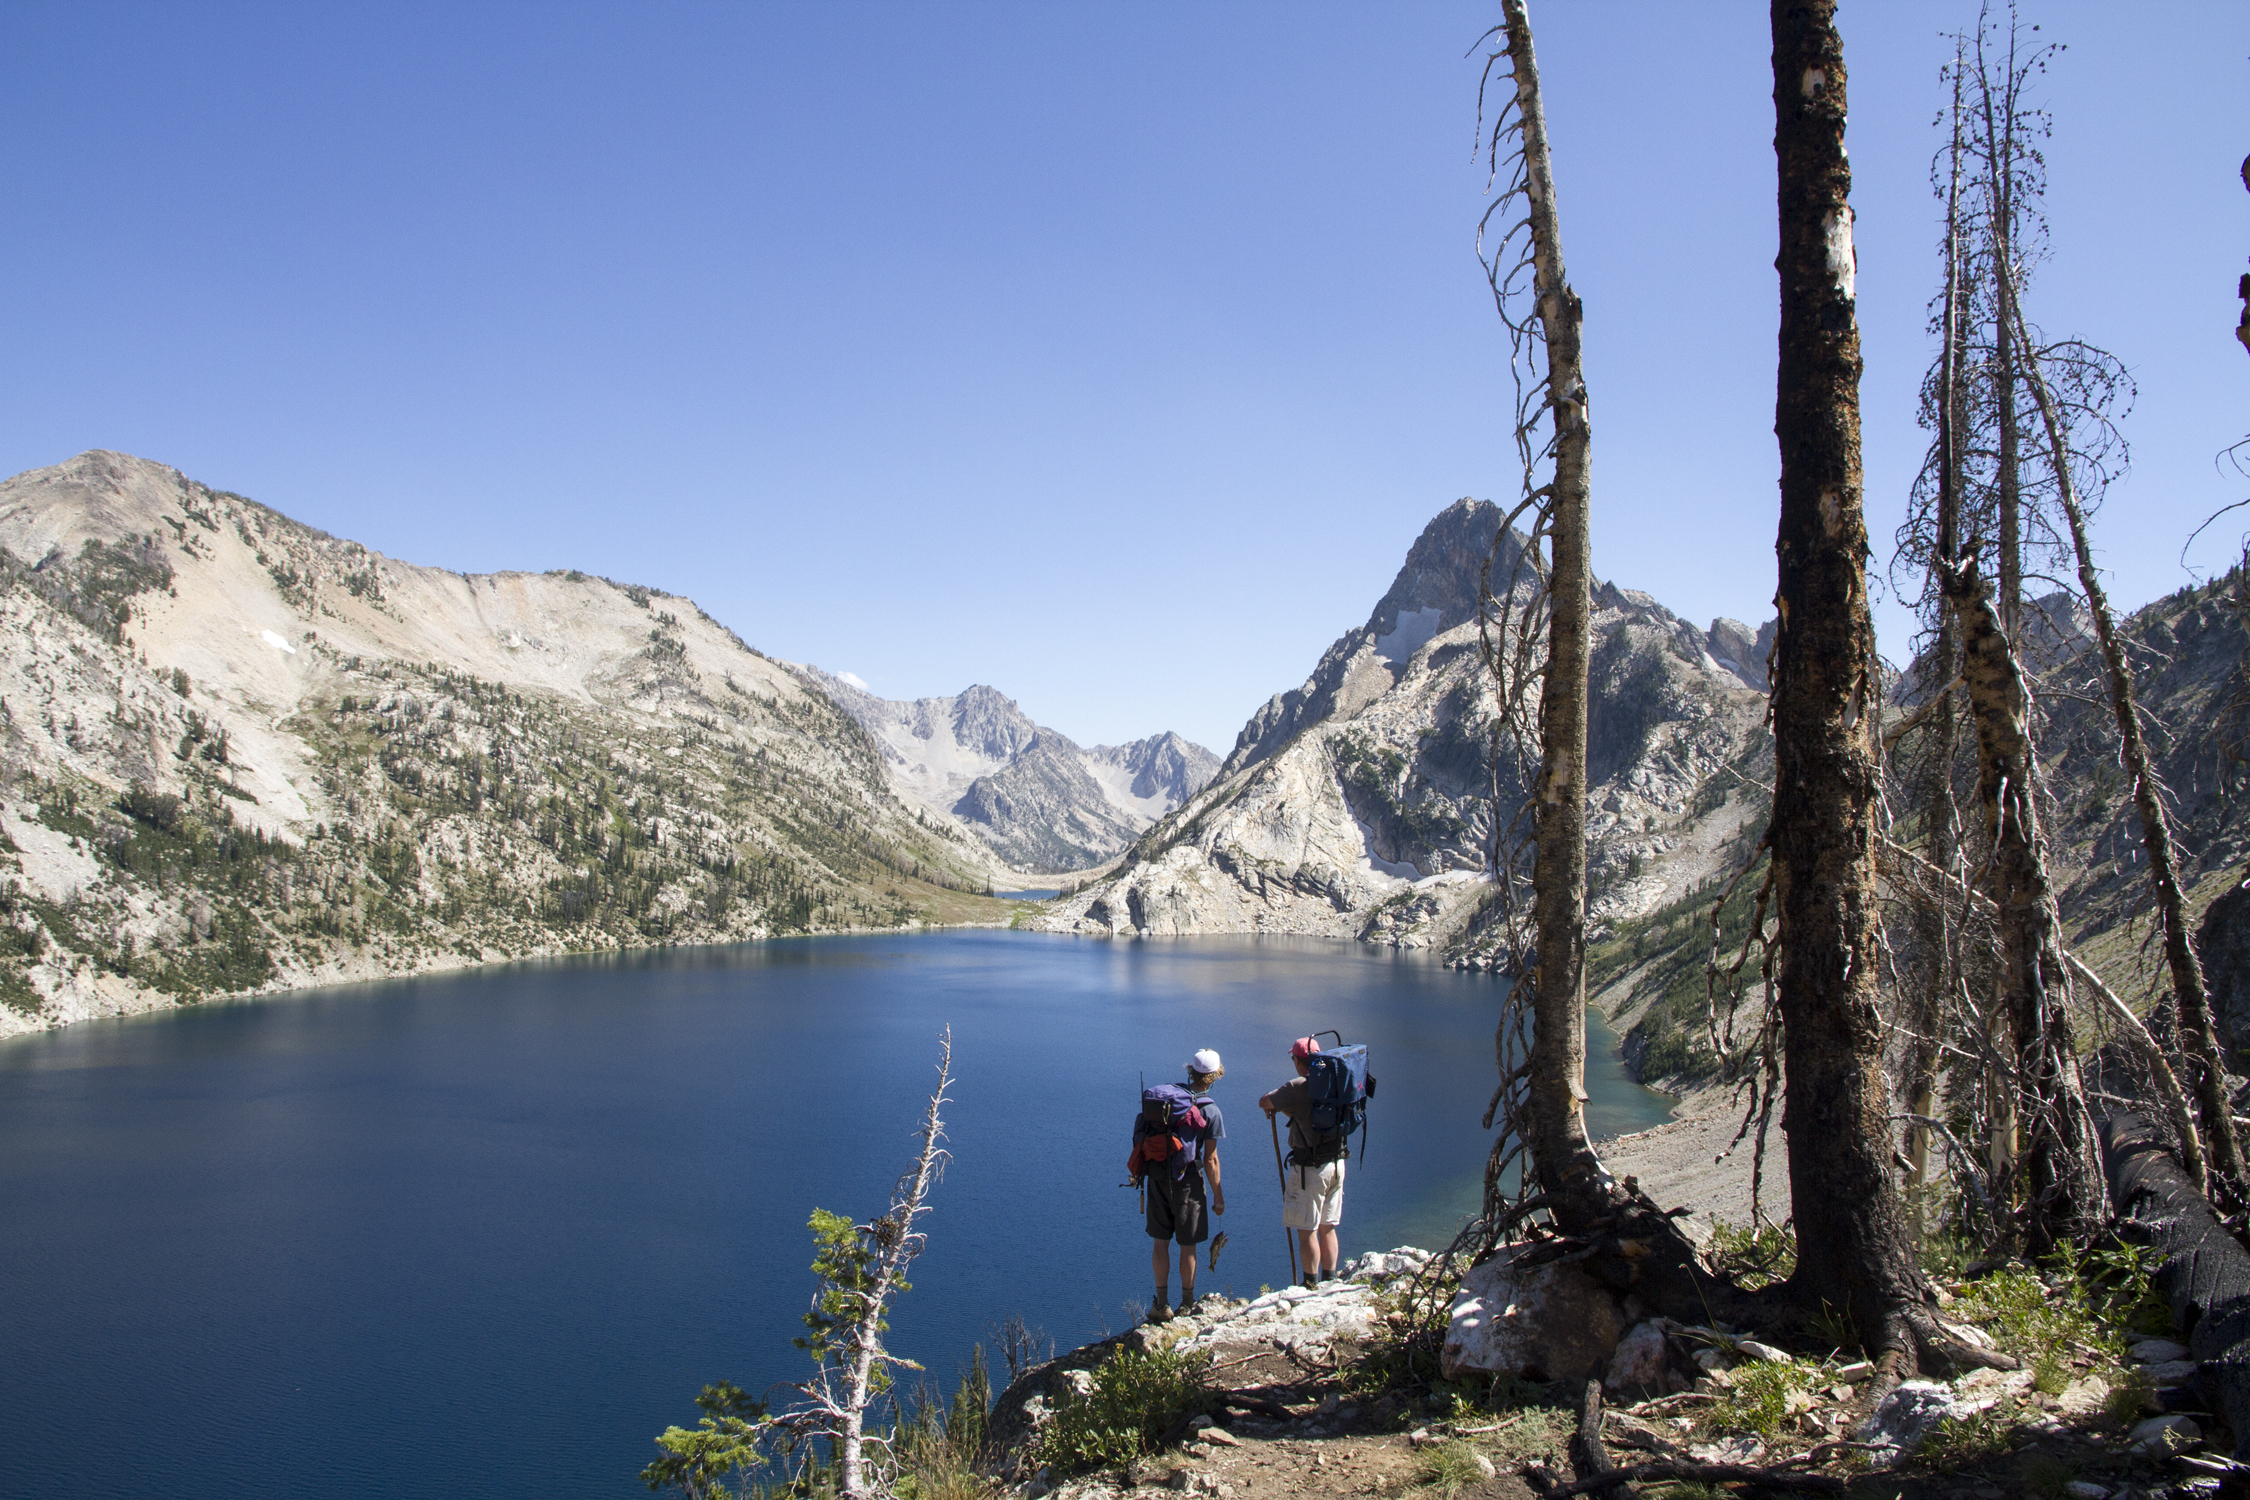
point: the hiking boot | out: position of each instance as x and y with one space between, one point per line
1159 1311
1188 1305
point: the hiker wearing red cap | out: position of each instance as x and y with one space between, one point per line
1312 1194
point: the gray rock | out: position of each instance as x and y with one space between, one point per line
1638 1364
2084 1396
2170 1434
1907 1417
2157 1351
2174 1372
1551 1323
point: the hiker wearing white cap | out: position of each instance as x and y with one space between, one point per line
1177 1199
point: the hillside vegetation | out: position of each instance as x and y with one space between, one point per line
238 754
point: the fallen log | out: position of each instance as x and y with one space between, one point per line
2203 1271
1748 1474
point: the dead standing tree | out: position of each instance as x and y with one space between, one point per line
1937 949
1562 1153
1978 501
2190 994
1852 1254
1539 630
862 1267
2065 1198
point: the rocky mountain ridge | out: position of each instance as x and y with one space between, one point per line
239 754
1360 804
2190 654
1041 802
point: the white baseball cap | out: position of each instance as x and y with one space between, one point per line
1206 1061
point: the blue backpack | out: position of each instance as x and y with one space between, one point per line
1337 1088
1168 1132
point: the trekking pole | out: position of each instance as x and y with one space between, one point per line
1282 1172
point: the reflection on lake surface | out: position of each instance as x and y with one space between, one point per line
487 1233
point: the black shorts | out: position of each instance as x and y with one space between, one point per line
1176 1210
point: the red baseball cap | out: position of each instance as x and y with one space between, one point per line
1303 1048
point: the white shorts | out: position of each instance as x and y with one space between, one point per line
1313 1197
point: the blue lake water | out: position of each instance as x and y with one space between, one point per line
485 1234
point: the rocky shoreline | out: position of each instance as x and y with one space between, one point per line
1305 1393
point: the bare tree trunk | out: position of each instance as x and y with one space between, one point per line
1562 1154
2065 1193
2168 1090
897 1242
2000 126
1852 1253
1926 1014
2188 988
1629 1243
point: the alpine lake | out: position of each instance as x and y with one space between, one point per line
487 1233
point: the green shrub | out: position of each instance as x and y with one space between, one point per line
1752 1258
1448 1467
940 1447
2130 1396
2046 1474
2028 1319
1764 1394
2119 1285
1967 1442
1133 1400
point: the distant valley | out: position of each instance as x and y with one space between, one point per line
1040 802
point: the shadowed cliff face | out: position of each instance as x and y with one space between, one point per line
237 753
1361 803
1030 795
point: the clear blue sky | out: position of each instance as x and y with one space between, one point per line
1110 354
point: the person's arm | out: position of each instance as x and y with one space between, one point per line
1211 1172
1267 1102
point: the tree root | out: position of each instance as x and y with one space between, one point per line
1588 1456
1913 1342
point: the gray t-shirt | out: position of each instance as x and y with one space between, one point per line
1212 1118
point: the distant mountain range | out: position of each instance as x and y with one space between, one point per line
238 754
1043 803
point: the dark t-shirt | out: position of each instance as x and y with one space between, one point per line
1294 1099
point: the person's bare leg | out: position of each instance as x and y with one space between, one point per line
1307 1256
1187 1274
1328 1251
1160 1264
